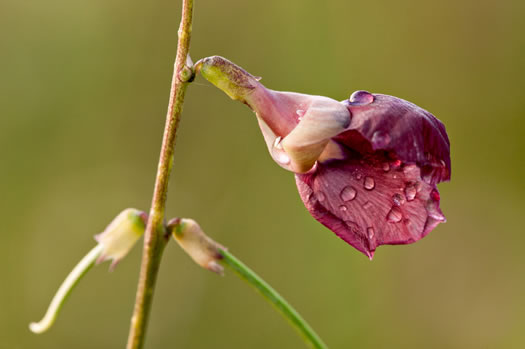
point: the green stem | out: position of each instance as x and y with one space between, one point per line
155 237
65 290
274 298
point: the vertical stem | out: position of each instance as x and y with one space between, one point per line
155 237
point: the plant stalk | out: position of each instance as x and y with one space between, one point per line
274 298
68 285
155 237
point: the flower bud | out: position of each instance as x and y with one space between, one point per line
121 235
202 249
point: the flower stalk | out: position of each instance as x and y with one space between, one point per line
274 298
65 290
114 243
212 256
155 237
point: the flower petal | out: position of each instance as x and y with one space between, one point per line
370 202
393 124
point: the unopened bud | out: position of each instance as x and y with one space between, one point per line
203 250
121 235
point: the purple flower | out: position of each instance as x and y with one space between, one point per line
366 167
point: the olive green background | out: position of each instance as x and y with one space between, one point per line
83 95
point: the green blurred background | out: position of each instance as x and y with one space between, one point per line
83 93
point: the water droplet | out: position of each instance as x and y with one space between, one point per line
434 195
398 199
367 205
361 98
434 211
343 208
348 193
442 162
258 78
278 153
386 167
396 163
395 215
410 192
283 158
369 183
410 170
277 143
370 232
358 176
380 139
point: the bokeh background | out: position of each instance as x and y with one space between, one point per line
83 92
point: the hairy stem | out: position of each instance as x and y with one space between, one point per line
274 298
155 237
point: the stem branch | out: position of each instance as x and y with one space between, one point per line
65 290
274 298
155 238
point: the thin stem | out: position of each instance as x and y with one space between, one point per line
65 290
155 237
274 298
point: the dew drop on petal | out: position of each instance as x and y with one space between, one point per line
367 205
396 163
277 143
321 196
386 167
348 193
369 183
343 208
410 192
358 175
434 212
398 199
410 170
434 195
361 98
283 158
370 232
395 215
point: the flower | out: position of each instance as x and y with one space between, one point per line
366 167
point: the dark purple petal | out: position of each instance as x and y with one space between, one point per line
371 201
402 128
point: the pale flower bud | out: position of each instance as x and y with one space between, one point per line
121 235
202 249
